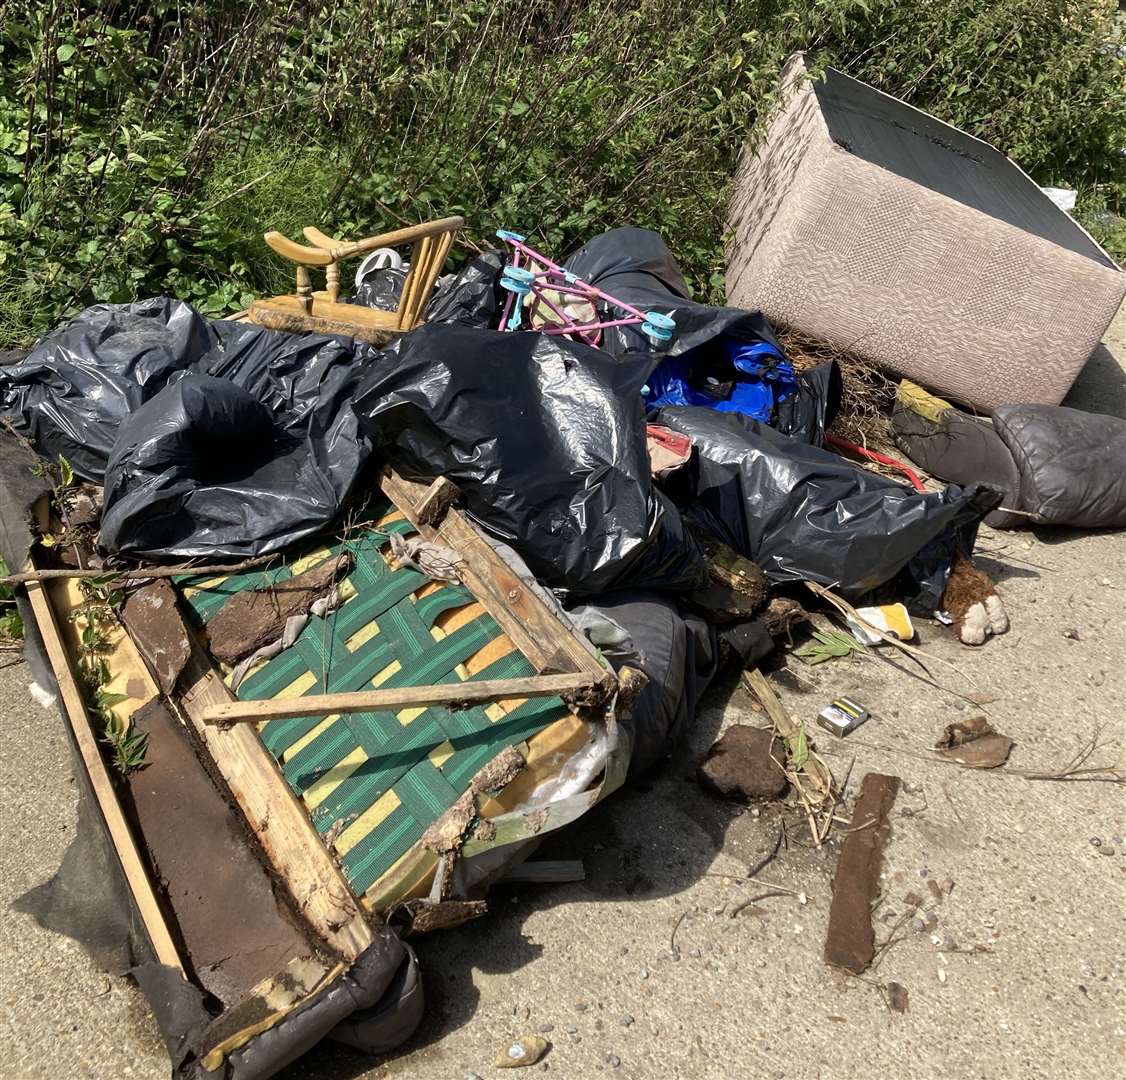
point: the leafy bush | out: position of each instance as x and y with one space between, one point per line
144 148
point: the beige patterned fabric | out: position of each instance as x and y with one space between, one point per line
892 268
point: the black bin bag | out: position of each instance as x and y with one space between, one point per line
80 382
803 513
258 448
545 438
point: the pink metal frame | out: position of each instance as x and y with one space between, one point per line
558 280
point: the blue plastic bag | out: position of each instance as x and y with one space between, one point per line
761 378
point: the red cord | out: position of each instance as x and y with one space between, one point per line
883 459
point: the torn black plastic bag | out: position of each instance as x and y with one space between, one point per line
803 513
546 440
474 297
81 381
636 266
203 469
82 390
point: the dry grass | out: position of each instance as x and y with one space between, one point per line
865 413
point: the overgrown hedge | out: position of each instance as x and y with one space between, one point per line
144 147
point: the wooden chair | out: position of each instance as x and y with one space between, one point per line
322 310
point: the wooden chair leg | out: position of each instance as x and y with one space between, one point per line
304 289
407 303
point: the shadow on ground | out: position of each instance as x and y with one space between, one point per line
656 837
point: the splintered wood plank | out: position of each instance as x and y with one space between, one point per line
128 854
278 820
521 614
235 711
851 942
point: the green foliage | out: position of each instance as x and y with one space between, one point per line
127 746
828 645
145 148
11 625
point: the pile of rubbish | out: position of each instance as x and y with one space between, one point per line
647 476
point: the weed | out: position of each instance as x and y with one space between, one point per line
144 152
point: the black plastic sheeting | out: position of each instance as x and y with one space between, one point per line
635 265
212 438
803 513
474 297
545 438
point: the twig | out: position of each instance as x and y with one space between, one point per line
1077 768
672 940
977 700
769 856
137 573
845 608
755 899
961 820
813 767
890 940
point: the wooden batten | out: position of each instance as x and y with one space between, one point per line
124 844
291 844
404 697
527 620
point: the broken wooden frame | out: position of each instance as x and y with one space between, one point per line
322 311
568 664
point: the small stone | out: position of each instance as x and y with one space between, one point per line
643 973
627 1020
613 1060
948 885
526 1050
581 1006
913 900
935 889
931 920
898 998
1096 842
1106 849
918 925
570 1029
473 1076
924 872
546 1029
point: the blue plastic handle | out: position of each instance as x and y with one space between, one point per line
508 234
658 327
516 279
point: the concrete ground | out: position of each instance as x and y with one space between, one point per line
1020 972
